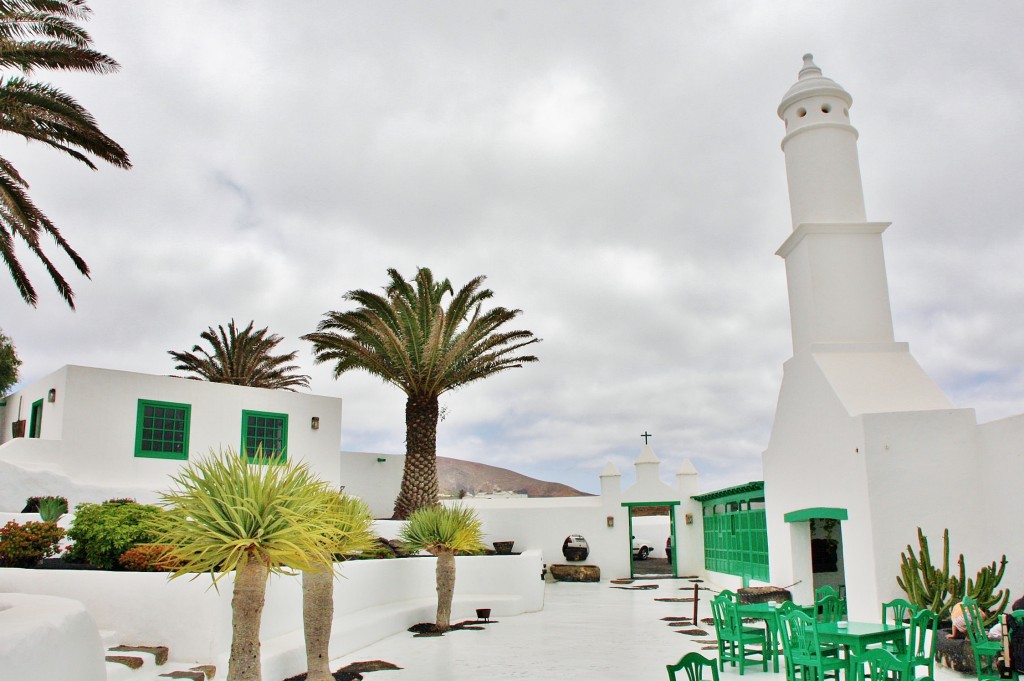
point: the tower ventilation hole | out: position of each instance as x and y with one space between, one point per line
826 108
801 112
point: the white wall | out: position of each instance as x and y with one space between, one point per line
194 620
374 481
44 638
543 524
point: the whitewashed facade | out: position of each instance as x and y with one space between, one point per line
84 427
861 433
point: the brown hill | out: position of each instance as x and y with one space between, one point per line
455 476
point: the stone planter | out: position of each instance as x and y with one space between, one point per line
576 573
503 548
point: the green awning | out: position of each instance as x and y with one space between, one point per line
820 512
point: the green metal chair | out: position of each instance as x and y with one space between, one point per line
806 660
878 664
694 664
734 638
986 652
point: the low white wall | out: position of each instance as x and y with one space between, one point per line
44 638
543 524
194 620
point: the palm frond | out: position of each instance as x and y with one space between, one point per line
242 357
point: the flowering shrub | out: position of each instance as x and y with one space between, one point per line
32 504
149 558
25 545
103 532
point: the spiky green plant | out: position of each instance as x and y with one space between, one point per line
353 534
226 515
409 338
444 531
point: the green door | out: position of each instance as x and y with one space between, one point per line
35 419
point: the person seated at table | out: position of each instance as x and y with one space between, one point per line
958 620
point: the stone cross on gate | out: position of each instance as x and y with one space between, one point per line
646 435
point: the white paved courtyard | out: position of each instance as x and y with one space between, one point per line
586 632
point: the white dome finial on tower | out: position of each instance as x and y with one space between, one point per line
810 68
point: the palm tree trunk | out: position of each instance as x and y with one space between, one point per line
419 477
246 613
317 618
445 577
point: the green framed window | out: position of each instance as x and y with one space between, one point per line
264 434
161 430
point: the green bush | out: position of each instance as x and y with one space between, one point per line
25 545
103 532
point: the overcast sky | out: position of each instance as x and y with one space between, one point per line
613 169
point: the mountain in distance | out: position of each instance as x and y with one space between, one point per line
455 476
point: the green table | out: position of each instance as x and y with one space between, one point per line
855 637
771 616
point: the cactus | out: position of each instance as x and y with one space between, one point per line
939 590
925 585
983 589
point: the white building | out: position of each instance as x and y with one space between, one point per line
862 435
92 434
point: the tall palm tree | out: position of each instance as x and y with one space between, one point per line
406 337
443 531
353 535
43 34
225 515
241 358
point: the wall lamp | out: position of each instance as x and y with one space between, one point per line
611 521
52 395
314 423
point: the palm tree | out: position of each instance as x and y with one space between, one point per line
443 531
43 34
225 515
407 338
9 364
353 535
241 358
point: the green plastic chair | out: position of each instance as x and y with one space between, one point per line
826 590
986 653
806 660
878 664
830 608
734 638
895 611
694 664
921 642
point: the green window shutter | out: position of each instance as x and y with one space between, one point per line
162 429
264 435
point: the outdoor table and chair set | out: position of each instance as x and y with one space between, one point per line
817 641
